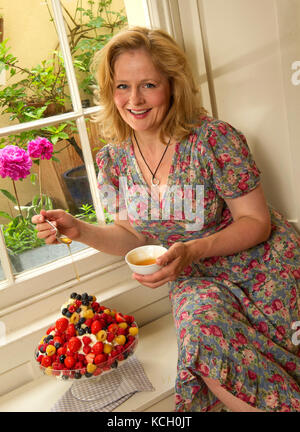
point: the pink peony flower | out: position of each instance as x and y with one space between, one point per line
14 162
40 148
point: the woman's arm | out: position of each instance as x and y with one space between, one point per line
251 226
114 239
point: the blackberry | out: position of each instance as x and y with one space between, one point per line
81 320
78 297
88 375
81 332
77 375
73 295
57 345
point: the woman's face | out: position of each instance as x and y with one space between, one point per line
141 92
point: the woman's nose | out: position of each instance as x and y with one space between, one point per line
136 96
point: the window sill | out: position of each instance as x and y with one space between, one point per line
157 352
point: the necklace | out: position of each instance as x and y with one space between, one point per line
154 181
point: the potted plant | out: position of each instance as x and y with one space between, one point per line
42 90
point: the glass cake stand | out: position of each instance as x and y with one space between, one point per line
104 381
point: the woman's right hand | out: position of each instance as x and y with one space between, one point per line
65 223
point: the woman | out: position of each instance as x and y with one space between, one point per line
234 271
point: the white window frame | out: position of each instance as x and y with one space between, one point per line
16 289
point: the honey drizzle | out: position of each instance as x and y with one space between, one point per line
73 262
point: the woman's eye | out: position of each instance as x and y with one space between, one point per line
122 86
149 85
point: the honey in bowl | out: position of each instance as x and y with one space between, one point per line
147 261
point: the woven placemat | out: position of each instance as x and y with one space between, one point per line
105 394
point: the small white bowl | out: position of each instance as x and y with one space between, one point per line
143 253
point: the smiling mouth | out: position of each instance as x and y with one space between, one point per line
140 112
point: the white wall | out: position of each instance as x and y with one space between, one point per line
242 53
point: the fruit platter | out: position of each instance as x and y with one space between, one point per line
87 341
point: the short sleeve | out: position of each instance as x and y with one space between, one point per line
108 181
229 160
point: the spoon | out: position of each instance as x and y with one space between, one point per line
59 237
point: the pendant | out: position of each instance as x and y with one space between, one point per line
154 182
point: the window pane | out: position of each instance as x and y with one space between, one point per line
90 25
58 182
33 79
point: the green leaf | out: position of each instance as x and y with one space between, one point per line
8 195
5 215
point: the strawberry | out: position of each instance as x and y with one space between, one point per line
58 339
119 317
74 344
98 348
50 329
90 357
69 362
71 330
113 328
100 358
62 324
95 327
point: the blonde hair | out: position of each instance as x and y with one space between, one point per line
170 60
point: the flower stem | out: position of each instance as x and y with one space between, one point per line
17 198
40 182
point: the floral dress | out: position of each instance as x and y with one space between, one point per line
236 316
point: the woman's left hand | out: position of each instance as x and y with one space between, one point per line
174 261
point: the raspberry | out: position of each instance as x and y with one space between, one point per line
61 351
88 322
86 340
86 349
72 308
46 361
110 337
62 324
122 331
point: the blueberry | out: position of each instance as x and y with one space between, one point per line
88 375
85 303
57 345
42 349
78 310
73 295
81 320
84 296
77 375
64 311
78 297
65 377
114 364
81 332
68 314
62 358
